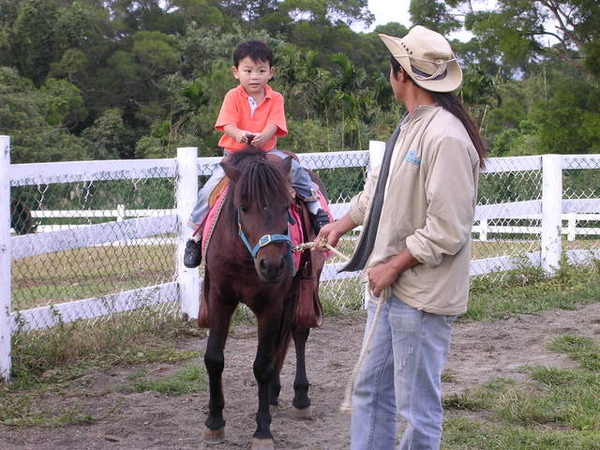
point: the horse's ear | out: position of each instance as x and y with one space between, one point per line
232 172
286 164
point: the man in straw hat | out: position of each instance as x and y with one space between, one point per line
417 211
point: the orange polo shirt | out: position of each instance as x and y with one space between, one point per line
235 110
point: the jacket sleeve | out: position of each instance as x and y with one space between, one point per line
450 190
360 202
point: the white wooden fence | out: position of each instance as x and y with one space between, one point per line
186 167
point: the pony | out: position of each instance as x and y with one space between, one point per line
249 260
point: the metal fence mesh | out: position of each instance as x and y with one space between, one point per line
94 248
89 253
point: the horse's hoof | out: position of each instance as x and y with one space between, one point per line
304 413
214 436
263 444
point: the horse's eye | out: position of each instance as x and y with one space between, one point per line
244 209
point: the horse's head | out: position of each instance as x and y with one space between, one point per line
262 198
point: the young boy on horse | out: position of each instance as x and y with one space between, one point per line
251 113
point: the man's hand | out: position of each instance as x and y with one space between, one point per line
327 235
332 232
380 277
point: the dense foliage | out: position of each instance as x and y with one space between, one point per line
93 79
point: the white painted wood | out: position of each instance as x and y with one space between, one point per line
334 160
513 164
157 227
376 151
5 261
50 316
187 194
508 210
551 213
77 171
89 235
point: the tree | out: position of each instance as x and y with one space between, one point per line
573 26
35 119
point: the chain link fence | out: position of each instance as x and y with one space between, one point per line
94 239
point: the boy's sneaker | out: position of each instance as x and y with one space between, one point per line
319 220
192 256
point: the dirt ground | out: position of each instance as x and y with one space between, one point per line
148 420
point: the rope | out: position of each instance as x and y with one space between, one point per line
346 405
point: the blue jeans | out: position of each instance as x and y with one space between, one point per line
299 178
401 374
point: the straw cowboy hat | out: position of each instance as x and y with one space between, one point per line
427 58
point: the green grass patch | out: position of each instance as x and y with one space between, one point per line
555 408
70 350
48 362
189 379
528 291
467 434
89 272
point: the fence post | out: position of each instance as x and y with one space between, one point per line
551 213
5 261
376 151
187 193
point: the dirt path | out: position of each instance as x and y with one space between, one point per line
480 351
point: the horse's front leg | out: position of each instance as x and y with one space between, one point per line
265 373
301 400
214 360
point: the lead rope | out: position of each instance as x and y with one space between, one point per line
346 405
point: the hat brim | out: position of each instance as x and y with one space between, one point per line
451 82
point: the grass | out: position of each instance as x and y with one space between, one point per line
190 378
57 360
88 272
71 350
528 291
553 409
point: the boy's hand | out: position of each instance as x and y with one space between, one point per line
244 137
259 140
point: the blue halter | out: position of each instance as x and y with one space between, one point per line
266 239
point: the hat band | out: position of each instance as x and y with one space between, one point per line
439 74
423 76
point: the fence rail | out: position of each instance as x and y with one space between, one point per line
512 190
482 228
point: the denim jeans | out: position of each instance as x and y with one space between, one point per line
299 178
401 374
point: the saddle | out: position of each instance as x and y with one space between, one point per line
308 264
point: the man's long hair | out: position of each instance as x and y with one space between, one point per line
454 104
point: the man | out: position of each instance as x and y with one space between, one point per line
417 212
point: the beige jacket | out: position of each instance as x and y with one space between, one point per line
429 207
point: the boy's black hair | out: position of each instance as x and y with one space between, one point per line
257 51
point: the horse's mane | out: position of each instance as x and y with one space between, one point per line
260 178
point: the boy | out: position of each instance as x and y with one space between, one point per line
251 113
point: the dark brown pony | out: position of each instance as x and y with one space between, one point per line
249 260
